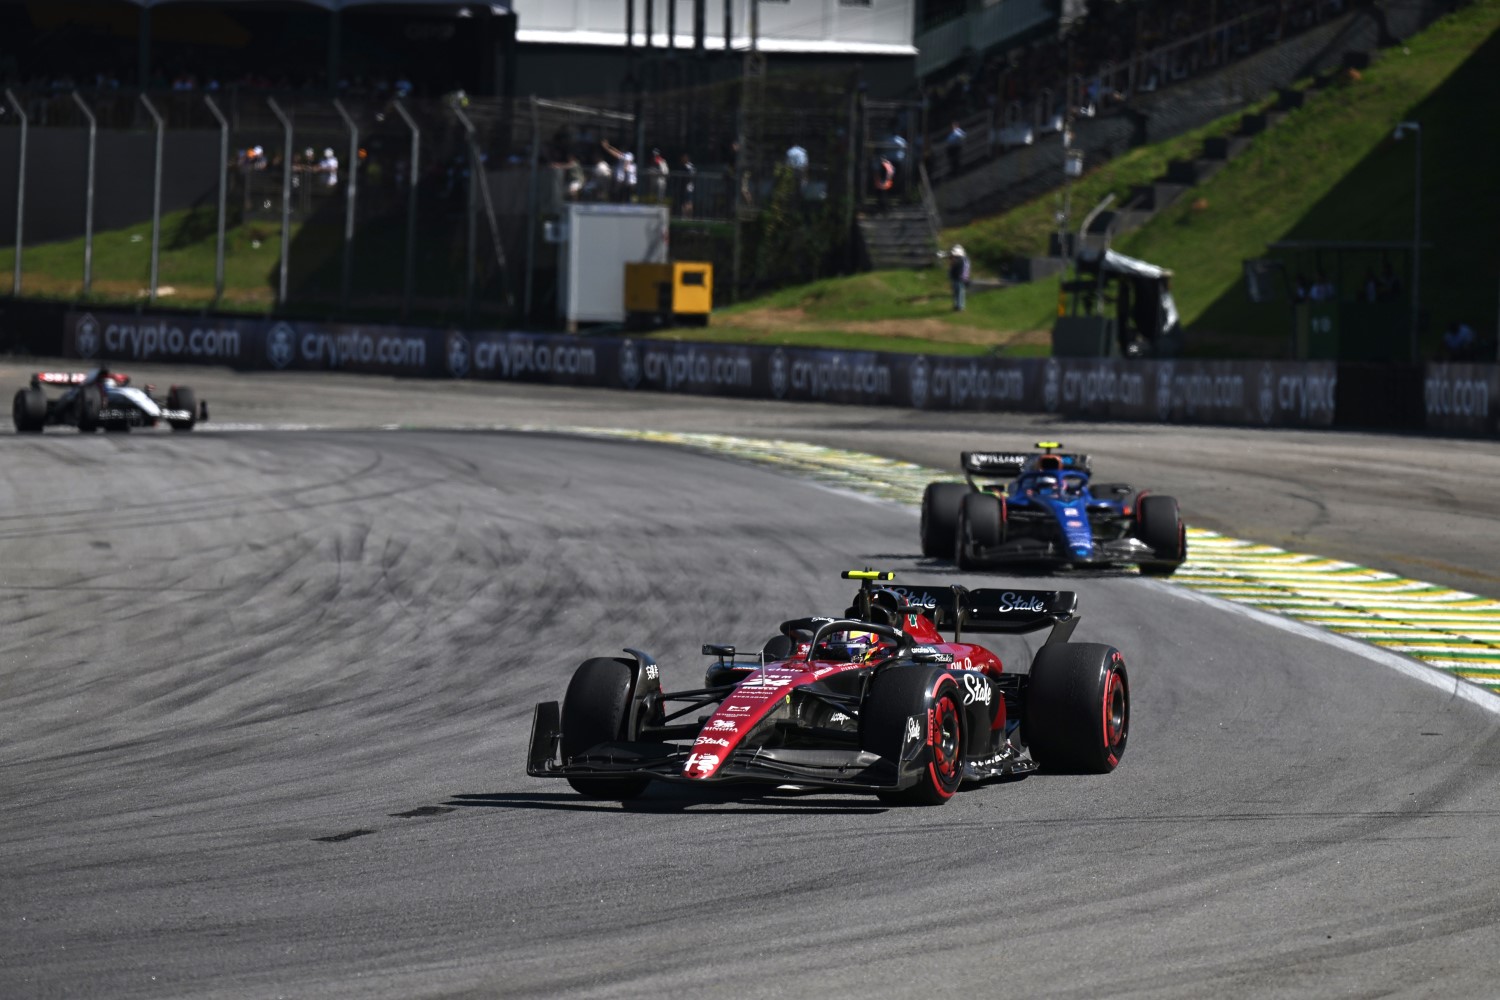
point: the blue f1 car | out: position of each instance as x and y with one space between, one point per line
1042 509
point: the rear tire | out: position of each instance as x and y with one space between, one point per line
596 709
1077 715
29 411
1158 523
940 505
901 694
182 398
981 524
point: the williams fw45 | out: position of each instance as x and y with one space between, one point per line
876 700
1043 509
101 399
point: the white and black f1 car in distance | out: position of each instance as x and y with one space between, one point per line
1043 509
103 399
876 700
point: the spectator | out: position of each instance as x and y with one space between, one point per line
659 173
1322 289
1390 285
883 178
625 176
958 275
572 177
955 144
796 159
896 153
689 183
1458 342
328 166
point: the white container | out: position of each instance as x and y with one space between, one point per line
600 239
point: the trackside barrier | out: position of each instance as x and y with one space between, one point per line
1459 399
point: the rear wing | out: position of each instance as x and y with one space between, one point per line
76 378
1014 612
985 610
998 464
1009 464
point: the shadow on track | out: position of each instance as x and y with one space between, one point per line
698 802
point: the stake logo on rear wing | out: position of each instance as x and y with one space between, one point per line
985 609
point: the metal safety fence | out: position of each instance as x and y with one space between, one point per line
396 208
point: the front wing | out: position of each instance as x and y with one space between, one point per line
1034 551
852 770
831 768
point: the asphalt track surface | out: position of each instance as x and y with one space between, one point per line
264 698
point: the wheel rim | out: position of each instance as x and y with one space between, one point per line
1116 715
947 739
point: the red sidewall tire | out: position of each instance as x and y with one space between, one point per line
931 695
1077 714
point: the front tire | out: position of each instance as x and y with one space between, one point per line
940 506
1159 524
183 398
1077 715
596 709
903 694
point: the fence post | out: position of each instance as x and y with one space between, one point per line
411 207
223 196
15 288
161 127
351 200
286 195
470 230
88 196
536 130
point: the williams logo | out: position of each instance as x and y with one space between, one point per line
279 347
86 336
458 355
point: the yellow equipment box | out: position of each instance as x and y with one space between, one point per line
682 290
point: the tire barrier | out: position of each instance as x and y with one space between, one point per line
1442 398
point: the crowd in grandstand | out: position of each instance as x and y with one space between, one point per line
1117 49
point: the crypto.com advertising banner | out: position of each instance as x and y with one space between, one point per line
252 343
1265 394
1462 398
1253 393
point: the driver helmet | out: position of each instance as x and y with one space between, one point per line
1046 484
849 647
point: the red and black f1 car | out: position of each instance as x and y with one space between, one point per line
102 399
874 701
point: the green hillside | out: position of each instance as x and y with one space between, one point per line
1329 171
